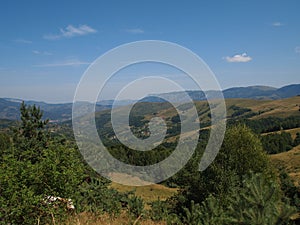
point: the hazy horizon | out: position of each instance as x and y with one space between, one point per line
133 99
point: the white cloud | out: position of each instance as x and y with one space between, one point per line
74 62
135 31
71 31
277 24
41 53
23 41
297 49
238 58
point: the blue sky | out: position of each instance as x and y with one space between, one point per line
45 47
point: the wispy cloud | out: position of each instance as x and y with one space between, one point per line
135 31
41 53
71 31
238 58
297 49
23 41
277 24
64 63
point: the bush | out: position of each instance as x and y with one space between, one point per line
96 197
257 201
159 210
135 206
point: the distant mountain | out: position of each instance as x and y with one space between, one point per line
288 91
9 108
117 103
251 92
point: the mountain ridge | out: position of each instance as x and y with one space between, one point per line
9 107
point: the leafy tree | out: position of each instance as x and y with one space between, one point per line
33 168
241 154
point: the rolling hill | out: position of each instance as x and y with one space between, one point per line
237 109
9 108
251 92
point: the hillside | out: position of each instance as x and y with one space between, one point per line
237 109
148 193
290 161
251 92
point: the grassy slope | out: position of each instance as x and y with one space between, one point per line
276 108
123 219
293 132
148 193
290 161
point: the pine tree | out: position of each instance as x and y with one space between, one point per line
30 138
259 202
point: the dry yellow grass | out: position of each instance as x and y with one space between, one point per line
293 132
290 161
148 193
276 108
123 219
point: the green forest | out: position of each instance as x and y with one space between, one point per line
241 186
